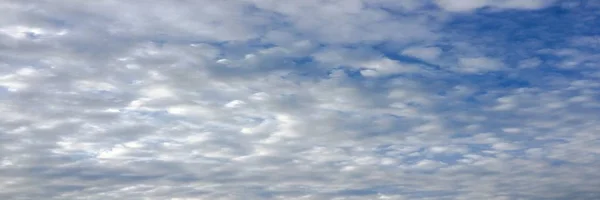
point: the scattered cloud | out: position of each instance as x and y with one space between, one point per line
470 5
315 99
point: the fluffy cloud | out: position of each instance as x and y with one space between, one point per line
316 99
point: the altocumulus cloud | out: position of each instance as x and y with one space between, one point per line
311 99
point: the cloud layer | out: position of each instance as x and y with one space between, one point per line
315 99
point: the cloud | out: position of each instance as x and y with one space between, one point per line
478 64
423 53
470 5
264 99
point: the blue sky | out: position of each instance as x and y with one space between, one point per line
313 99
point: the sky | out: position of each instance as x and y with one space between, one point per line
299 99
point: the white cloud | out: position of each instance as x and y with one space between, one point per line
470 5
478 65
505 146
530 63
424 53
264 99
386 66
458 6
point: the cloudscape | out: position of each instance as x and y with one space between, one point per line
299 99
